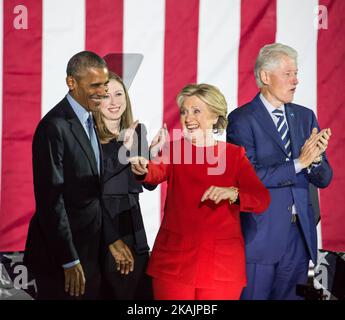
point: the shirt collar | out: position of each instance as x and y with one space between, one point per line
270 108
81 113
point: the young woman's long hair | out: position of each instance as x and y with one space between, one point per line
126 118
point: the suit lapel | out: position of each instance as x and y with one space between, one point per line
264 119
81 136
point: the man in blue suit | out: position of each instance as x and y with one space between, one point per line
286 148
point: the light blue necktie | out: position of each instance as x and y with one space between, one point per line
283 130
93 139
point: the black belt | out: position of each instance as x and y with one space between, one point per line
294 218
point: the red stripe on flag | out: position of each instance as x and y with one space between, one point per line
258 27
104 30
180 58
22 55
331 113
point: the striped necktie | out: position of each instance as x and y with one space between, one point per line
93 140
283 130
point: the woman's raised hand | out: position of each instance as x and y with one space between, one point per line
129 133
158 141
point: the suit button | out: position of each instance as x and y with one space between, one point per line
290 208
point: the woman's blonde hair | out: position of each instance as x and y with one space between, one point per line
126 118
210 95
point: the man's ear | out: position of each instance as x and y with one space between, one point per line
71 83
265 77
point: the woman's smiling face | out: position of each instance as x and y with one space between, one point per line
196 119
114 102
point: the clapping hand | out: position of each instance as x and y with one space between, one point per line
324 136
316 144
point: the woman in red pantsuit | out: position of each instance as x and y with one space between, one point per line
199 250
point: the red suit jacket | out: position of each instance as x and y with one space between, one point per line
201 243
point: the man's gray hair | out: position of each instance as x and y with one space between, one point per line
269 57
84 60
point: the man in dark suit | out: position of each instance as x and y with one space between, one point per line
287 151
64 237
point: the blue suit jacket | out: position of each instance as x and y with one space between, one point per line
266 234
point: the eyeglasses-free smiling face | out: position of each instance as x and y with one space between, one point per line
196 119
114 102
89 88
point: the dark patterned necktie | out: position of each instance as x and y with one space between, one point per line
283 130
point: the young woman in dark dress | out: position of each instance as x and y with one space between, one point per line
124 276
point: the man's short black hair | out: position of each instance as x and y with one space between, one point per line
84 60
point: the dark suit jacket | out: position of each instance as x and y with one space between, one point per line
252 127
121 192
67 223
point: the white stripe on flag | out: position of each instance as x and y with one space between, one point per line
218 43
63 36
143 33
1 75
295 27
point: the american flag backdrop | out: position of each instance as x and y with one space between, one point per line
181 41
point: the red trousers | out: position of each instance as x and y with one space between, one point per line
172 290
